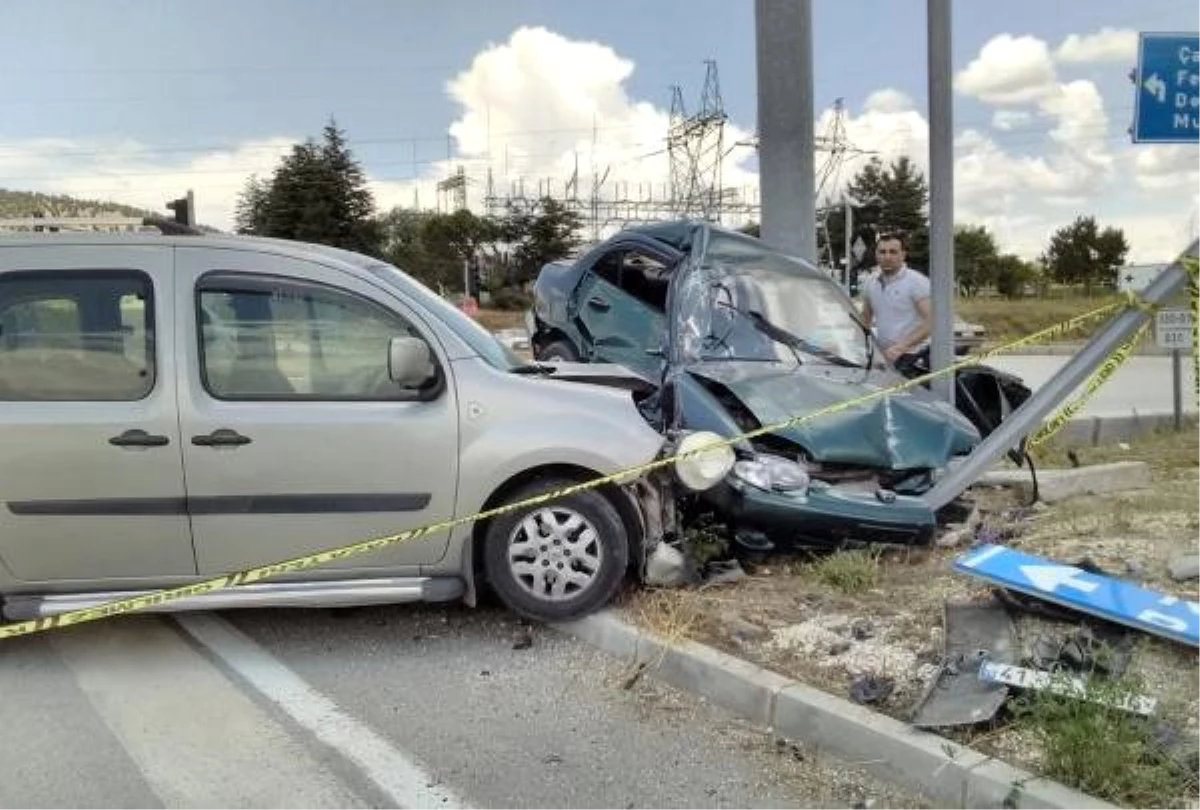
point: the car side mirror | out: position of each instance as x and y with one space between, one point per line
409 361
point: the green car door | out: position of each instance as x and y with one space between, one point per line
619 305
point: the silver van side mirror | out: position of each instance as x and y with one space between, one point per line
409 362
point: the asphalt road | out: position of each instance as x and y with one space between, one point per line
402 706
1142 385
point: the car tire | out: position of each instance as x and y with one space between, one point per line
558 560
560 350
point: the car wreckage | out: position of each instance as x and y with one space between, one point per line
727 336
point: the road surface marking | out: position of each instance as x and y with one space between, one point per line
197 737
407 783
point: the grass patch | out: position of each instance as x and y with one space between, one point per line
848 571
1102 750
1007 320
1164 449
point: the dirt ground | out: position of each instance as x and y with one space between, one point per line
788 614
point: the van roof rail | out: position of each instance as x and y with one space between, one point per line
101 223
170 227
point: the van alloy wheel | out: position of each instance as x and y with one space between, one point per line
557 560
555 553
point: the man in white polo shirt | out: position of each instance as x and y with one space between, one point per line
896 302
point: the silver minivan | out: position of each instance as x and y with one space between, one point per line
175 407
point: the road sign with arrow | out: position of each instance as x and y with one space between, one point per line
1094 594
1167 95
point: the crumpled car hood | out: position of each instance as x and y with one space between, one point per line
904 431
612 375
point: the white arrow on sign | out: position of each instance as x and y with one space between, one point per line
1049 577
1156 86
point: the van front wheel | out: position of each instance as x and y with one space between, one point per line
557 560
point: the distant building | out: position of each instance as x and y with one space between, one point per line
1136 277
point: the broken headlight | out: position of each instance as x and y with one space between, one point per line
772 474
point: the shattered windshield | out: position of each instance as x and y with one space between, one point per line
747 302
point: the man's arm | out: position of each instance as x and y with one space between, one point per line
867 315
917 335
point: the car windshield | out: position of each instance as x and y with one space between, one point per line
747 302
475 336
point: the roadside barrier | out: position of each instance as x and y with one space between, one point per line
257 574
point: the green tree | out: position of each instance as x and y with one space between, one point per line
1011 274
250 214
544 233
887 198
1081 253
318 193
975 255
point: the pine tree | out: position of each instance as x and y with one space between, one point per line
891 198
318 193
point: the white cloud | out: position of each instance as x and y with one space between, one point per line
1082 128
1106 45
541 110
888 100
1009 70
1008 120
1166 166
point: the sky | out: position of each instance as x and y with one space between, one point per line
136 101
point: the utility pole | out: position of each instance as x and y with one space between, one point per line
941 194
783 45
849 245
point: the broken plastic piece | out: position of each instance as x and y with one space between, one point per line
871 688
975 632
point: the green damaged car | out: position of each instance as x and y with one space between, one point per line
733 336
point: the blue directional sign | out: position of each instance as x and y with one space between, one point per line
1167 99
1075 588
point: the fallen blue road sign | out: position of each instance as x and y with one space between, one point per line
1167 96
1095 594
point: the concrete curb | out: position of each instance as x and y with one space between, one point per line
1057 484
1111 428
948 774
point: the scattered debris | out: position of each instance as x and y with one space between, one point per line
839 647
975 632
783 746
1185 567
1107 649
666 567
524 642
871 688
1135 568
723 572
1061 684
552 759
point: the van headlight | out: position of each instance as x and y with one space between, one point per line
700 468
772 474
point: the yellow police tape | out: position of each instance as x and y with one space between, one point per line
135 603
1101 376
1192 265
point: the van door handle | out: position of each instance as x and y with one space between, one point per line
138 438
224 437
598 302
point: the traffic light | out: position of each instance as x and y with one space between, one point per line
184 208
